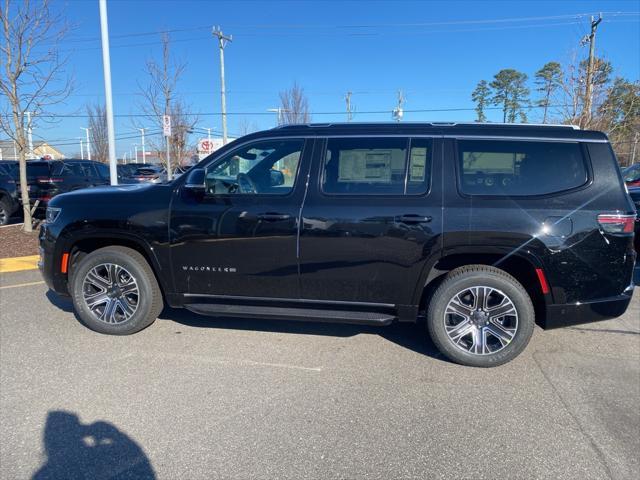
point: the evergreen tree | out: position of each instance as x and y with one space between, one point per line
510 92
548 79
481 95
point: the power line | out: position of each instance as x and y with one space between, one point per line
341 112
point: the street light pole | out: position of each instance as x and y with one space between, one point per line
88 143
81 149
106 64
142 140
222 42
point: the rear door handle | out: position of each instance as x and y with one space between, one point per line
414 219
274 217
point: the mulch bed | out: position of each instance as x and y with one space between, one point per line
16 243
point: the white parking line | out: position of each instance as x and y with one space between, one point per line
222 361
18 285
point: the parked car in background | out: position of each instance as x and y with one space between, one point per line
127 170
634 193
10 167
473 231
631 175
48 178
147 174
8 196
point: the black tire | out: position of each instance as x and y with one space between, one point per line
5 211
504 285
149 299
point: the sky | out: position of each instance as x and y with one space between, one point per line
434 51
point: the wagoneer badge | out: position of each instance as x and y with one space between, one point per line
204 268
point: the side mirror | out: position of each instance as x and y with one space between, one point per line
277 178
195 180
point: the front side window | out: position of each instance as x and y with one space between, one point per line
519 168
376 166
264 167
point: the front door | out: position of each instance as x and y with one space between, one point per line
240 237
372 220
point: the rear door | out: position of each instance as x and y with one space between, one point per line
372 219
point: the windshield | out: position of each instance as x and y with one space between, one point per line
632 173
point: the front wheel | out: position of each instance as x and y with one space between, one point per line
114 291
480 316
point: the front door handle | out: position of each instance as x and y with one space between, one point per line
274 217
411 218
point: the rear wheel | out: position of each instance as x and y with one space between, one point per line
480 316
5 211
114 291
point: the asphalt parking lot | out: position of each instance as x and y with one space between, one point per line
196 397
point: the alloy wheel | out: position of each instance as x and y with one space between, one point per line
111 293
481 320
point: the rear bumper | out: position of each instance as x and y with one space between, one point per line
594 311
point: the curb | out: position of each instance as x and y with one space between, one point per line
18 264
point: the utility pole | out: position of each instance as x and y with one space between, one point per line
222 42
349 108
398 112
142 140
588 92
106 65
81 149
635 144
88 143
30 135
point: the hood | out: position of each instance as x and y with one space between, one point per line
129 194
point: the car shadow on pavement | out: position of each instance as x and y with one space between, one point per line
96 450
63 303
407 335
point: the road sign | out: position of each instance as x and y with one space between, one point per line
166 125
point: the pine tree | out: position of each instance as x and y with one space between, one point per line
548 79
511 92
481 95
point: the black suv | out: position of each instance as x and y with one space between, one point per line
8 194
479 230
48 178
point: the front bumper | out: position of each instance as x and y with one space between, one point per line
584 312
49 263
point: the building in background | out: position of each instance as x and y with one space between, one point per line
40 150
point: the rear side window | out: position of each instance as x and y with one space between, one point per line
376 166
37 169
518 168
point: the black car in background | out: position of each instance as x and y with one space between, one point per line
141 173
8 195
48 178
634 193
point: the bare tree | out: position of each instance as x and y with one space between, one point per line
245 127
98 132
32 74
294 106
159 97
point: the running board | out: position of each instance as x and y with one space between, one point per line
299 314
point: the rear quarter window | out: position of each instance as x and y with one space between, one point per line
519 168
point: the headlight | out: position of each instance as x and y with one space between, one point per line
52 214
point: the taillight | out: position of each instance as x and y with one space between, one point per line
616 223
49 180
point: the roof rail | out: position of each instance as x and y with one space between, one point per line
434 124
